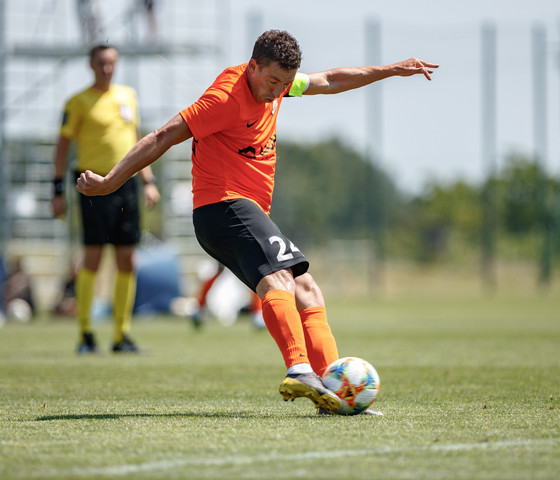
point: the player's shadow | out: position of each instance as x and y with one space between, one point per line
115 416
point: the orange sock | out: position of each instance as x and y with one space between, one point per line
319 340
206 286
255 304
284 324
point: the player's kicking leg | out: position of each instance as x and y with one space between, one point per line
284 324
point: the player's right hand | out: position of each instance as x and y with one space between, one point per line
91 184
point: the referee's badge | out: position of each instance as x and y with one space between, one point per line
126 112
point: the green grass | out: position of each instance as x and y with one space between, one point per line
470 389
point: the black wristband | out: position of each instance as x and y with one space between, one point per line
58 186
151 181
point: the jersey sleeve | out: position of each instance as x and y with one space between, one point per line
299 85
71 119
214 111
134 97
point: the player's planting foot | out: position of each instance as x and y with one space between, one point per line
126 345
309 385
87 344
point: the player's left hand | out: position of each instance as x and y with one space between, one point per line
415 66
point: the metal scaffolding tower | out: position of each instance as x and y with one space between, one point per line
43 61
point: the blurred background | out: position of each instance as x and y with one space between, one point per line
448 187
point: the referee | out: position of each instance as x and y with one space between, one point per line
103 120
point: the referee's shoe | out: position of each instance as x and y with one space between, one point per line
309 385
126 345
87 344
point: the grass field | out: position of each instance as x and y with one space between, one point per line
470 389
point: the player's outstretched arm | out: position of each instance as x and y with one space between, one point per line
144 153
339 80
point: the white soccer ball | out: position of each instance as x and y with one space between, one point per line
354 381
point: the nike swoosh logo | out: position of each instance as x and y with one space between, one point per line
249 125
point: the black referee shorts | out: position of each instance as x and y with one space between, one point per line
112 218
242 237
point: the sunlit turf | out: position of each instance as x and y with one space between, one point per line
469 389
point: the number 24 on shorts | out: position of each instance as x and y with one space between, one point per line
283 253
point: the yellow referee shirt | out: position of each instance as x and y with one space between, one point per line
104 125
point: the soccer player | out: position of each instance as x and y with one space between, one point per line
103 119
233 127
254 306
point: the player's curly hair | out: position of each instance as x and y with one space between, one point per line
277 46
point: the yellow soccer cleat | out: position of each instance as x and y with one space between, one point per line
309 385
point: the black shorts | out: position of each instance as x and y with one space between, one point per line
112 218
242 237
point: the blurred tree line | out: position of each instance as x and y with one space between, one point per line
326 190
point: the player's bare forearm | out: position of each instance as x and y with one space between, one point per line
143 154
339 80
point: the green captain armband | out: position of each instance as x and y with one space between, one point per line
299 85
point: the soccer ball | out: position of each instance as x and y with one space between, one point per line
354 381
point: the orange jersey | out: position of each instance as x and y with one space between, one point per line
234 142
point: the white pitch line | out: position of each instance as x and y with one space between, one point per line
160 466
